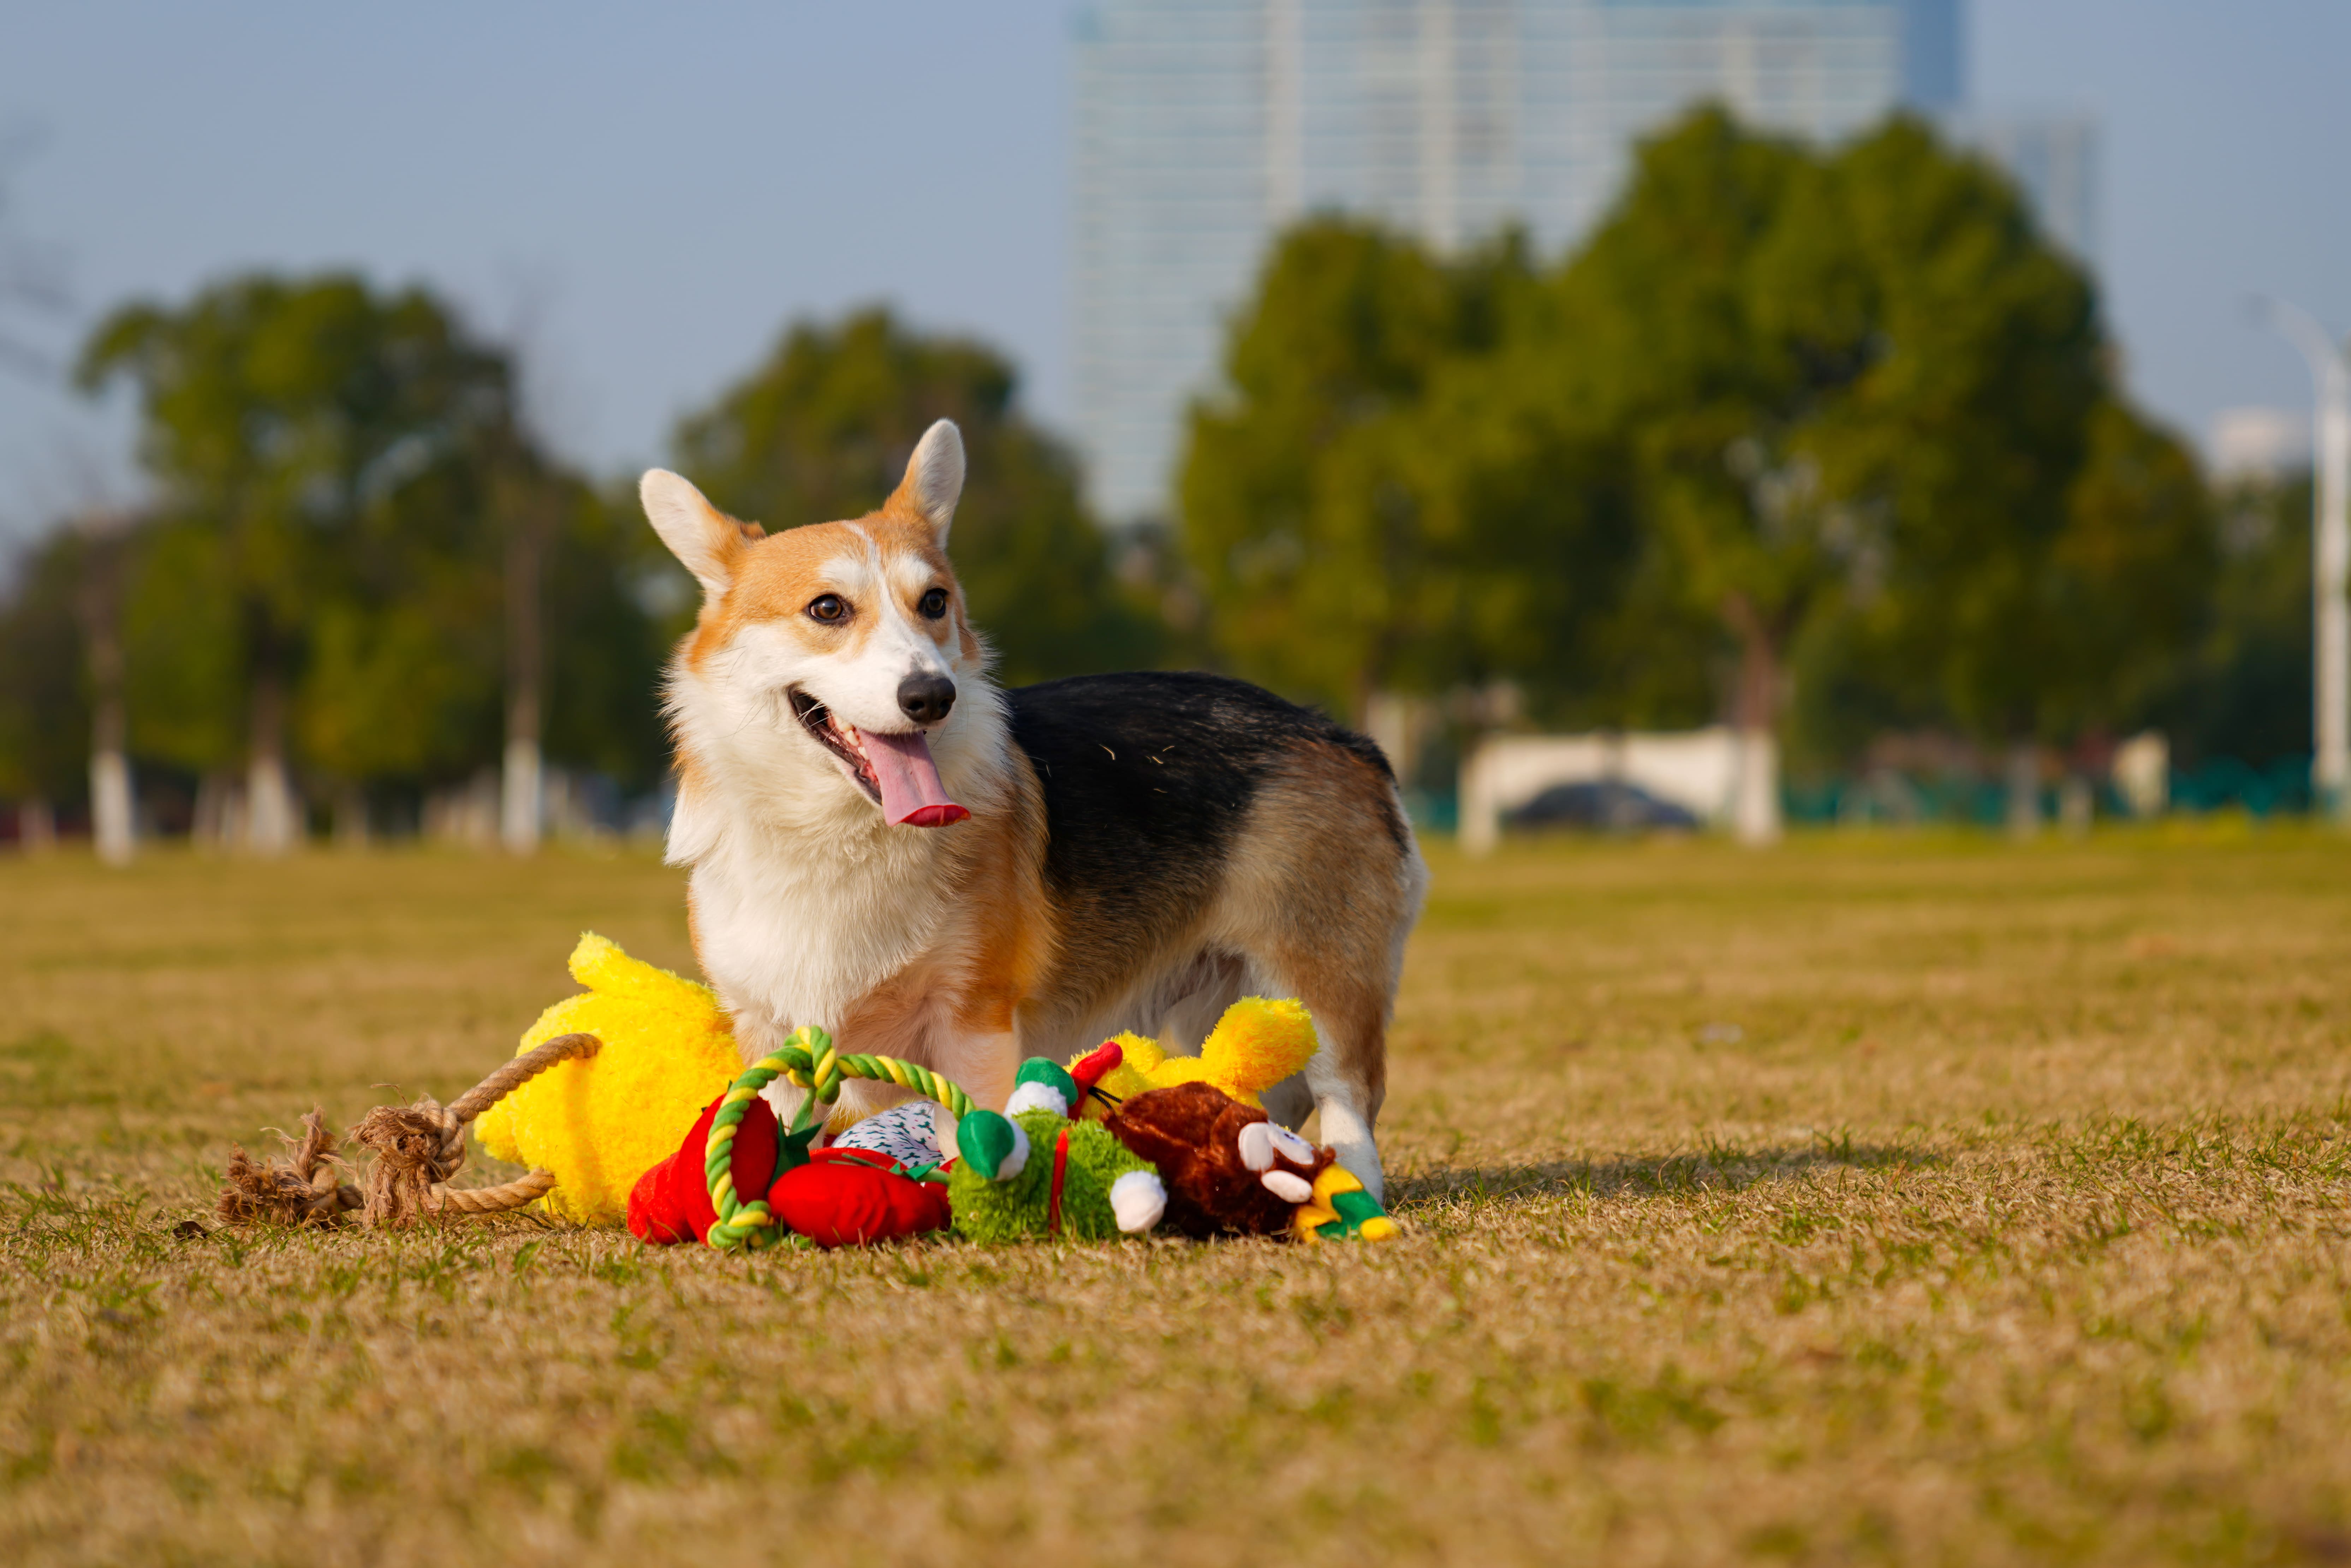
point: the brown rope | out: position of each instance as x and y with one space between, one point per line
418 1148
302 1188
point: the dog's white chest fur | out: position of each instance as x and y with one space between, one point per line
796 929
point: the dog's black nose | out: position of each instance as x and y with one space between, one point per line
926 698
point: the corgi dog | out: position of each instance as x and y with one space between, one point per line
885 844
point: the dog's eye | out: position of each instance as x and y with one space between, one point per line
934 603
828 607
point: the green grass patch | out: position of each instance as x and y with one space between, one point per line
1875 1199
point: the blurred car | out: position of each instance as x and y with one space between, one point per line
1601 806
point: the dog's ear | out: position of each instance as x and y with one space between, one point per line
705 539
934 481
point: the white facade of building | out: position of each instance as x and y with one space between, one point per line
2259 442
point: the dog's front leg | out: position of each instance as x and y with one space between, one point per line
975 1045
983 1063
756 1033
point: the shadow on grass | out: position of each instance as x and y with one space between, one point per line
1681 1173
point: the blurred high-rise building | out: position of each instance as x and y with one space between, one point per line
2054 159
1206 125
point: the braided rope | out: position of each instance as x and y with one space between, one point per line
807 1061
418 1148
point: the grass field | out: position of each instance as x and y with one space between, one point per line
1870 1200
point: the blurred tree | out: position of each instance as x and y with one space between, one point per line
1981 378
1670 325
1381 500
44 696
1534 565
605 641
361 550
1863 387
184 686
2245 691
823 430
404 634
312 442
1305 542
2131 576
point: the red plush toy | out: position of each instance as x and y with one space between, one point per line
847 1198
671 1203
838 1197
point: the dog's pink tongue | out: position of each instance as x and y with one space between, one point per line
911 791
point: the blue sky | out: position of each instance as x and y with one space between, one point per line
643 195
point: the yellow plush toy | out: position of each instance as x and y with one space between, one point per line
1256 1045
601 1123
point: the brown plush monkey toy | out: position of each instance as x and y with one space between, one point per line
1228 1169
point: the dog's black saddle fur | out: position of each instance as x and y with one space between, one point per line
1147 779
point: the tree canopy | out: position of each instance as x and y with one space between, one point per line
317 449
823 428
1842 414
338 470
44 700
1370 503
1820 440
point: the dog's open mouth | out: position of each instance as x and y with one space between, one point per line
897 770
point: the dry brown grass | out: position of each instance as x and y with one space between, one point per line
1901 1199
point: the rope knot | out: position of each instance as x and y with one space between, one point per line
418 1148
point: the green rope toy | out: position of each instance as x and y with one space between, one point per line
807 1061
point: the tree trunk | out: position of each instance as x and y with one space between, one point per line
1755 808
350 817
36 826
111 816
270 825
521 794
209 826
1388 719
2077 806
1755 790
2024 789
111 812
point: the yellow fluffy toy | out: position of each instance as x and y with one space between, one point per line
600 1123
1256 1045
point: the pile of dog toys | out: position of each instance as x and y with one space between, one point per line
1120 1141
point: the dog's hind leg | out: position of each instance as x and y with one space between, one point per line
1346 1080
1324 917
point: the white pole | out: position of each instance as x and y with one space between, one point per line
112 803
1755 794
521 795
2330 372
2330 558
112 823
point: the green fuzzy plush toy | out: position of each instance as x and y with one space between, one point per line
1032 1171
